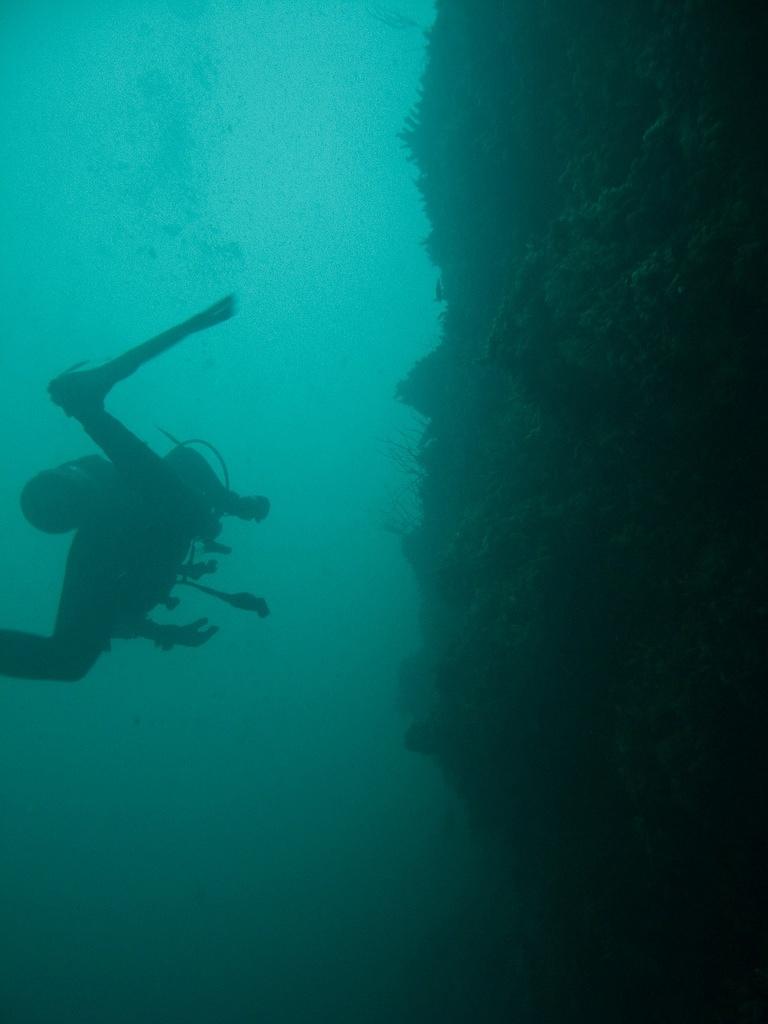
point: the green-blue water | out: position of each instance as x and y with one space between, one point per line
498 754
235 833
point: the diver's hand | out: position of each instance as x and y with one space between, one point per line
215 314
192 635
199 569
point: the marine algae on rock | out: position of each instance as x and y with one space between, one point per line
592 549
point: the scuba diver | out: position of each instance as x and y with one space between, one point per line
139 519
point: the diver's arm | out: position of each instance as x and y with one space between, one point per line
165 635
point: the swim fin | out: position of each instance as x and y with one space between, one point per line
77 390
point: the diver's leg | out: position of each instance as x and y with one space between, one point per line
88 609
78 389
28 656
144 469
81 394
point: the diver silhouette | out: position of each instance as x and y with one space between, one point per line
138 519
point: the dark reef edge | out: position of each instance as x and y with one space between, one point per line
592 551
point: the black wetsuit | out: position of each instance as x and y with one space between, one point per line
137 525
124 557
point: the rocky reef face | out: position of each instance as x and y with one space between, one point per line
592 550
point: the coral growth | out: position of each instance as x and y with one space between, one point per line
592 548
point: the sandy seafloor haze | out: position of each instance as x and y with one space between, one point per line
230 834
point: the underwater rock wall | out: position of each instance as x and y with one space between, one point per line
592 551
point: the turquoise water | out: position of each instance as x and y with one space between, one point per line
233 833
